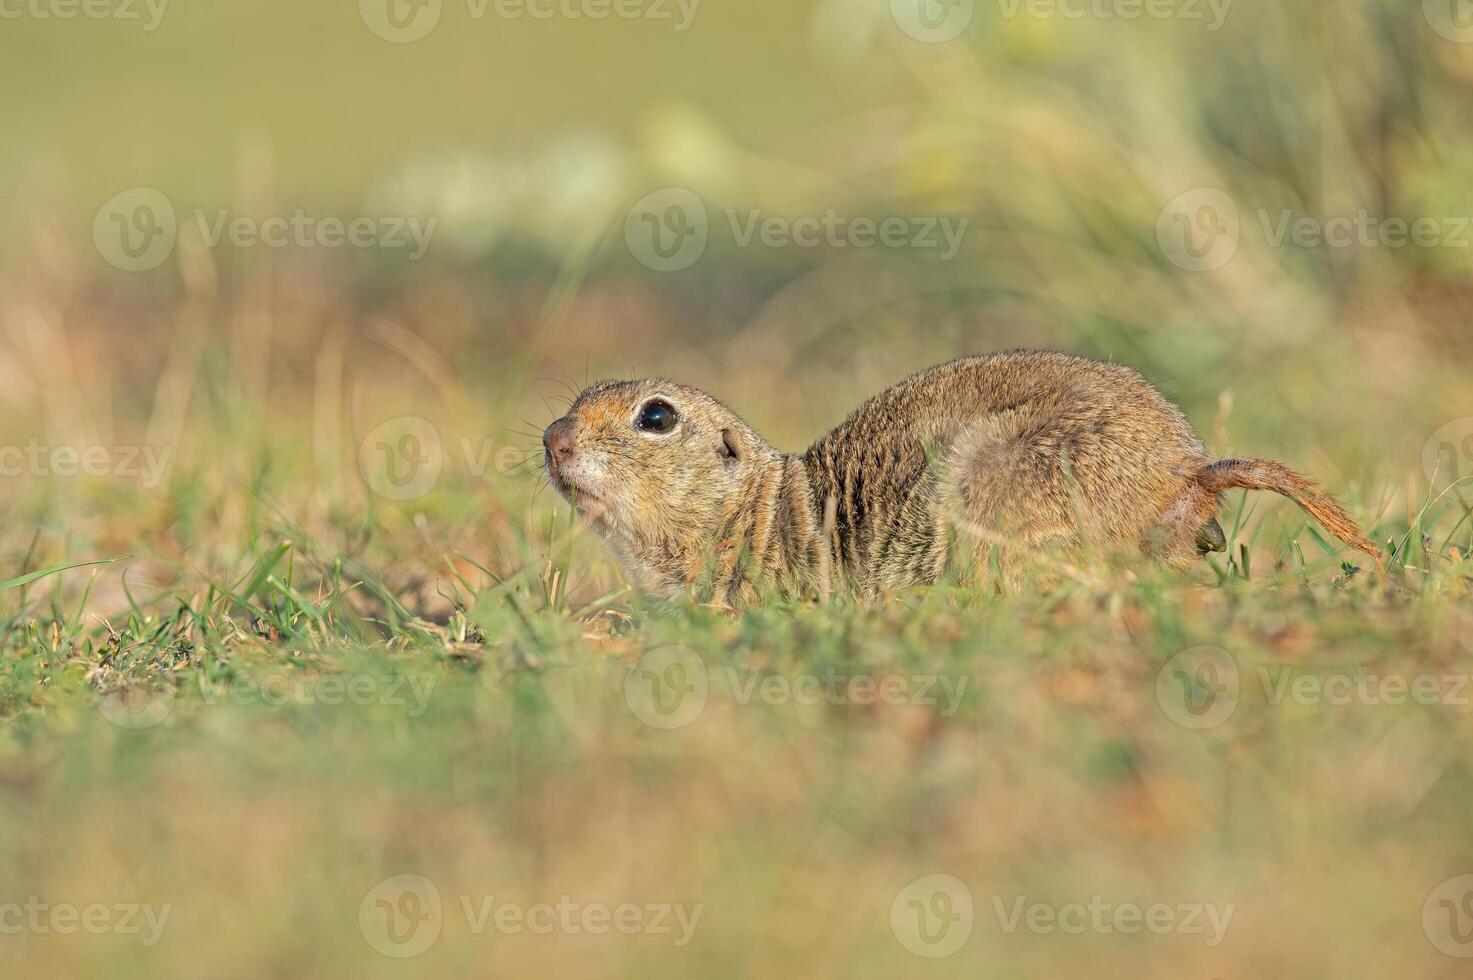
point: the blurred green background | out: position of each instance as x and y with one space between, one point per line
1064 140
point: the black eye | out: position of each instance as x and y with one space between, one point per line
656 416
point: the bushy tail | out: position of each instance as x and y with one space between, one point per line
1265 474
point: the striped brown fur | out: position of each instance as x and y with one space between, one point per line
971 461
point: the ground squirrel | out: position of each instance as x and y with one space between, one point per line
982 457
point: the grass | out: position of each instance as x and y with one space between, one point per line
263 742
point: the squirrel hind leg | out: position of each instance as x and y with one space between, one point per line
1005 487
1187 530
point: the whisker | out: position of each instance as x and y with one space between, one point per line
555 363
566 385
531 464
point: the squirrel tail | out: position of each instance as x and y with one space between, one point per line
1265 474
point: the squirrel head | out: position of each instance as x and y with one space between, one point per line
654 467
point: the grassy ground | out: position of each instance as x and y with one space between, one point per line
261 724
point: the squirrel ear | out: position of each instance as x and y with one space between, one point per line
729 445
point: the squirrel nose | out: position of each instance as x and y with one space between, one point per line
558 440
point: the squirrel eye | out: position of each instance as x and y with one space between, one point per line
656 416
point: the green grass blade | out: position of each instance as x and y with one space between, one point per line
30 577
